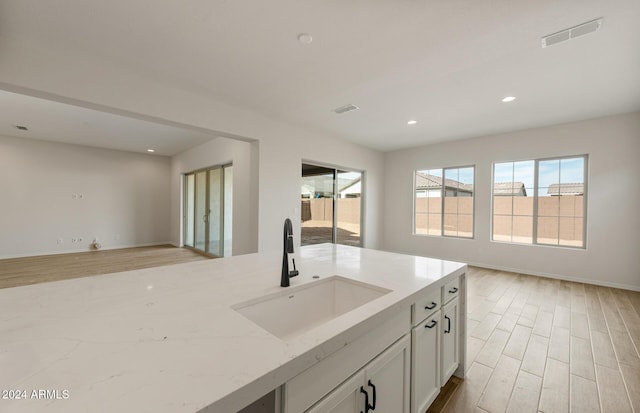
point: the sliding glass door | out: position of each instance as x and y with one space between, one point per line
208 209
330 206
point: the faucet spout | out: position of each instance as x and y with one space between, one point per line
287 249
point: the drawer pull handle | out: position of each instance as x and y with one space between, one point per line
433 324
432 306
448 330
367 406
453 290
373 405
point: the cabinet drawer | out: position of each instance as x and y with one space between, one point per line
426 306
451 290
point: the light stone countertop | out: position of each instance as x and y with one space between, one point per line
166 340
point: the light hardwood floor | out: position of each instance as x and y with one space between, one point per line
542 345
15 272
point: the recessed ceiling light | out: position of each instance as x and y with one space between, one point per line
151 150
21 127
508 99
412 122
305 38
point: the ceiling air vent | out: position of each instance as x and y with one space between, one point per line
572 33
346 108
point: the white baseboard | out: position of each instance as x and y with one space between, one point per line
73 251
557 276
631 287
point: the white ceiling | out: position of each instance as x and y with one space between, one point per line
445 64
60 122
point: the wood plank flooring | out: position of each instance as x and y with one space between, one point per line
542 345
15 272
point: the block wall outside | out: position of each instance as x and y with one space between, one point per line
321 209
559 217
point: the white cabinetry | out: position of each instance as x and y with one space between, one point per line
450 346
386 369
319 381
435 350
382 386
425 364
389 373
346 398
450 327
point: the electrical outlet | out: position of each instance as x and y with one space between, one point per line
74 240
60 241
80 239
80 196
74 196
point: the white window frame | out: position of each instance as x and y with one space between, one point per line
442 205
534 234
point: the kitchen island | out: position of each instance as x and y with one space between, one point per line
170 339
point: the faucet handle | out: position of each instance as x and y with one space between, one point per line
294 272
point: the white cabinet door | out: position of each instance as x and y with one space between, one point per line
449 328
387 379
381 386
346 398
425 363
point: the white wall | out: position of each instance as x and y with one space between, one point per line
222 151
125 197
267 181
613 228
281 181
68 78
612 144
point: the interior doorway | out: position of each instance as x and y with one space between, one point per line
208 198
330 206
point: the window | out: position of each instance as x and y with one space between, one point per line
540 201
443 202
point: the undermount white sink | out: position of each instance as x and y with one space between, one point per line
293 311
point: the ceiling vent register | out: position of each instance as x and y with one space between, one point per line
572 32
346 108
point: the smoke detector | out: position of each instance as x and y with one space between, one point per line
305 38
572 32
346 108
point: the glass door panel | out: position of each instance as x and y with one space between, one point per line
214 218
317 205
227 228
349 194
189 204
200 211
